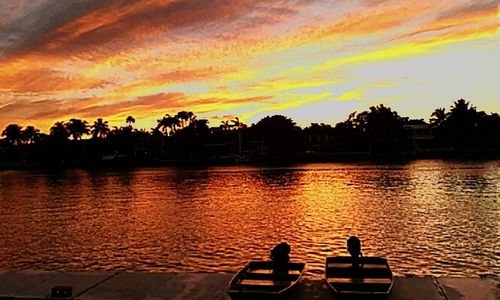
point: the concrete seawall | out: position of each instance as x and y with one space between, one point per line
156 286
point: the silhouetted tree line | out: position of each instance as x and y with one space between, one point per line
185 138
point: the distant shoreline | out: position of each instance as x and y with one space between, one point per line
264 160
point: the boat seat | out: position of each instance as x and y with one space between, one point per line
270 271
358 273
263 285
267 276
248 281
348 265
360 280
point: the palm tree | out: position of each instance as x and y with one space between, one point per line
130 120
13 134
237 124
59 131
461 107
162 125
191 117
168 124
30 135
382 118
224 125
99 129
461 116
438 116
183 117
77 128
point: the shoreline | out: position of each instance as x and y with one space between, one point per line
264 161
30 284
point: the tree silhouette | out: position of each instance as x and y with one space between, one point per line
191 116
162 125
461 126
200 126
99 129
155 131
59 131
360 121
77 128
382 119
13 134
463 131
233 124
130 120
225 125
438 116
280 134
30 135
461 116
350 123
168 124
380 128
490 125
237 124
185 118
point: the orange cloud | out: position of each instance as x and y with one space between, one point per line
473 16
47 80
111 58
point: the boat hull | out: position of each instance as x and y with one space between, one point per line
260 280
372 277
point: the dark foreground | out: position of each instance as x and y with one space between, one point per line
121 285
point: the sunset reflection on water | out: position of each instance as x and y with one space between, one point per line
426 217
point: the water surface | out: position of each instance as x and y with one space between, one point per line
428 217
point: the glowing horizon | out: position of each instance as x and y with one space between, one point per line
311 60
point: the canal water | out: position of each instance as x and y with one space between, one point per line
428 217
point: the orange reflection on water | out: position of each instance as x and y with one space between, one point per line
426 217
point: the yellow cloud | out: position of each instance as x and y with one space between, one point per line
406 50
353 95
267 69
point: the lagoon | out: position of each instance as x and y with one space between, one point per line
428 217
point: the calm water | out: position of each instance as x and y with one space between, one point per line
426 217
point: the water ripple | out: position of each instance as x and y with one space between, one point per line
427 217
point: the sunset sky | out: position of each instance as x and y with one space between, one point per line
311 60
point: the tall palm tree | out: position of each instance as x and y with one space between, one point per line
13 134
183 117
438 116
168 124
59 131
461 116
30 134
99 129
173 122
461 107
191 117
77 128
162 125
